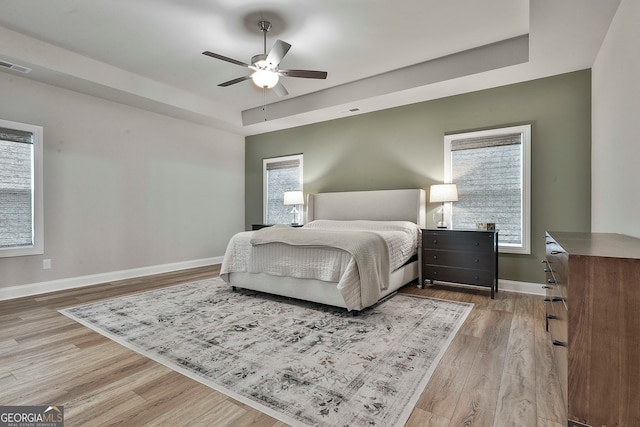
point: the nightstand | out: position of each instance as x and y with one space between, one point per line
468 257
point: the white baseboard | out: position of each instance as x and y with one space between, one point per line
94 279
521 287
512 286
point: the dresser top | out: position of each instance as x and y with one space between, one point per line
598 244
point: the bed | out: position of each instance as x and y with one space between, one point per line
329 260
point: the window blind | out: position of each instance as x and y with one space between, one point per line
283 164
486 141
16 188
488 173
15 135
281 174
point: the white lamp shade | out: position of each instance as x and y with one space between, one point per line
443 193
293 198
265 78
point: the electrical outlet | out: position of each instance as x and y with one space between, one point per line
46 264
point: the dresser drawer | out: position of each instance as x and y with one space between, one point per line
560 339
458 275
560 354
556 262
459 241
558 323
457 259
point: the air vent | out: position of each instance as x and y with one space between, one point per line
350 110
14 67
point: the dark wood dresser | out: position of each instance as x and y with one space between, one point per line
593 317
461 256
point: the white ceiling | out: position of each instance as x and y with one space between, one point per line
378 53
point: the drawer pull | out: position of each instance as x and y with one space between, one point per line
559 343
551 281
557 299
477 260
477 243
547 270
552 317
435 257
435 241
556 252
546 287
547 300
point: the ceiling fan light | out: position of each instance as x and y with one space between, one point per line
265 78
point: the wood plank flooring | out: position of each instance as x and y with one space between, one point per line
498 370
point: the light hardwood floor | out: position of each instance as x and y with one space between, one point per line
498 370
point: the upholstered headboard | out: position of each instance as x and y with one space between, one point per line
378 205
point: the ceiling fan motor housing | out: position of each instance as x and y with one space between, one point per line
260 62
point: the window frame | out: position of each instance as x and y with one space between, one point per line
265 189
37 192
525 131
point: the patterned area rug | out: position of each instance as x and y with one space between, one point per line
302 363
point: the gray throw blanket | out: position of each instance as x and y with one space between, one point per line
368 249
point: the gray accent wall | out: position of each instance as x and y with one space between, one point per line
403 147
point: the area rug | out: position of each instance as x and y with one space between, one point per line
301 363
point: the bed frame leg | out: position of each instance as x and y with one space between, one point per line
233 288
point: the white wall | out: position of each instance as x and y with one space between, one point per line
123 188
615 117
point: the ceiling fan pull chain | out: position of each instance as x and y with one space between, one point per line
264 102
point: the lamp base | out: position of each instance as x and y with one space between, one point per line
439 217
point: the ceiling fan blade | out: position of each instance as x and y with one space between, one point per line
224 58
306 74
234 81
280 90
277 52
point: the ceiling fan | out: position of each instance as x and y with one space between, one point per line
266 72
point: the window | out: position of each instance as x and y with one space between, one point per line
280 174
492 172
21 220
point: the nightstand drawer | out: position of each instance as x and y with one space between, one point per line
458 241
472 260
458 275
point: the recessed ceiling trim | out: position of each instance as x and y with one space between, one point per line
490 57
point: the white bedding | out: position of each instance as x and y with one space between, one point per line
321 262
